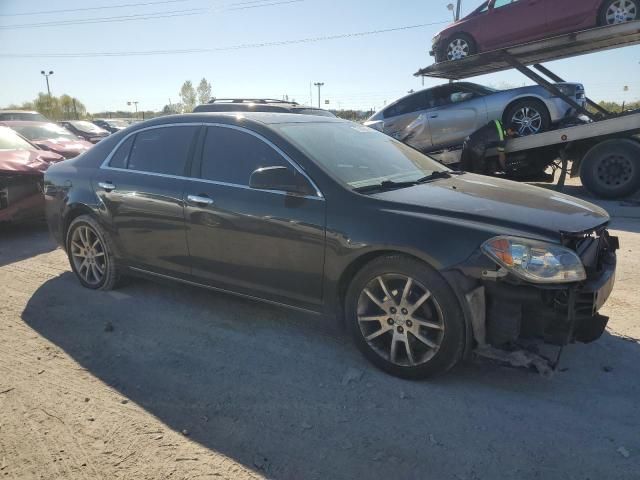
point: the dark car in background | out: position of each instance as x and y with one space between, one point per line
50 136
111 125
21 177
259 105
85 130
424 264
504 23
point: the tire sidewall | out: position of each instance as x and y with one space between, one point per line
452 345
110 276
590 163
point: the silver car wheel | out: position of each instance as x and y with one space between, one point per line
458 49
621 11
400 320
527 121
88 255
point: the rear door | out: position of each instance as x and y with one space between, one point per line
141 188
267 244
574 14
511 22
403 120
456 113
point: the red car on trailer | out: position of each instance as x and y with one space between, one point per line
504 23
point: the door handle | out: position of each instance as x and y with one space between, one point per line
199 200
107 186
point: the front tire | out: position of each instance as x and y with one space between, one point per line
614 12
90 253
405 318
527 117
459 46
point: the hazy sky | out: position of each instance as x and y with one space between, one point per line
358 72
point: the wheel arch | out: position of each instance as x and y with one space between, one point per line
73 211
523 97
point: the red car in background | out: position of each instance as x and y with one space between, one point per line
505 23
22 167
52 137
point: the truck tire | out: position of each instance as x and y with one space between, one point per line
611 169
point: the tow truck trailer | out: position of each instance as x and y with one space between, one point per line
604 150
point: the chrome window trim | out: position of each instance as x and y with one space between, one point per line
105 164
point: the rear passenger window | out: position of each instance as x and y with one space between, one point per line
120 158
162 150
231 156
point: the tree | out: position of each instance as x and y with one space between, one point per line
188 96
204 91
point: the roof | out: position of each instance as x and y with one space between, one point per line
25 123
546 50
20 111
252 100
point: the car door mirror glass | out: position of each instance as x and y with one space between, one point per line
281 179
458 97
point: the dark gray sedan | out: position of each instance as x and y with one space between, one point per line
422 264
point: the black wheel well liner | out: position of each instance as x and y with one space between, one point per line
74 212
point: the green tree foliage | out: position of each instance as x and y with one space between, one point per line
188 96
204 91
64 107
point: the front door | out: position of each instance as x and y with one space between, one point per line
516 21
455 114
267 244
142 188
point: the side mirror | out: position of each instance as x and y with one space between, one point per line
281 179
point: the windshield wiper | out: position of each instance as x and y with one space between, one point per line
384 186
391 185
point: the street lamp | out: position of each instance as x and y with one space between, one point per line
319 85
455 10
136 105
46 76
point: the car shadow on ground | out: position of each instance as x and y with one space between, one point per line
13 246
286 394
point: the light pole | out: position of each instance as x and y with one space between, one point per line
455 10
319 85
46 76
136 105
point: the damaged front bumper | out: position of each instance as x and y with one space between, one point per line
505 312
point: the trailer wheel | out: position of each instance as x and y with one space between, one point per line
611 169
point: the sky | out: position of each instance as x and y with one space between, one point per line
360 72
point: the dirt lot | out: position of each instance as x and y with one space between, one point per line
162 381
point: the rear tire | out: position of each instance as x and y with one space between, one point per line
527 117
614 12
611 169
424 319
90 253
459 46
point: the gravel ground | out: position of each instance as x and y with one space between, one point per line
159 381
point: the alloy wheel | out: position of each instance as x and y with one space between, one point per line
458 49
621 11
615 170
88 255
400 320
527 121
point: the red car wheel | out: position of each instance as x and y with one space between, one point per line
619 11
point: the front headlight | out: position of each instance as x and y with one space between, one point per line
568 90
535 261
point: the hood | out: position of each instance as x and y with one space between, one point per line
502 203
66 148
30 162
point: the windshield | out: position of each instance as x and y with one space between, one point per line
359 156
49 131
24 116
10 140
87 127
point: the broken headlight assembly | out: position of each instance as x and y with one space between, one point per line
535 261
